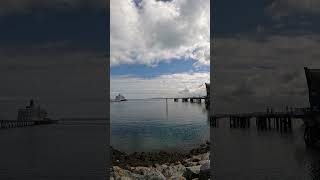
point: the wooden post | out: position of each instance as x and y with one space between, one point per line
290 124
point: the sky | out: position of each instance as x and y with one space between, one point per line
159 48
259 49
54 52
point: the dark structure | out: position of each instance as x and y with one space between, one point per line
207 100
312 120
32 113
313 80
208 89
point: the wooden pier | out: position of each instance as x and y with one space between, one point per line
6 124
280 121
191 99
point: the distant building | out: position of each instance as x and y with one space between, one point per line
32 113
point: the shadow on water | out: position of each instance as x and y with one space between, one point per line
259 154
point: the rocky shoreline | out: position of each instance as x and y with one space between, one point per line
162 165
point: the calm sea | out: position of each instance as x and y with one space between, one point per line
248 154
71 150
154 125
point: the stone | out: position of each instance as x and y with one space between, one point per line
192 172
176 178
201 157
120 174
189 164
204 162
174 171
154 175
205 171
149 173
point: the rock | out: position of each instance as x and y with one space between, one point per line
204 162
149 173
176 178
174 171
189 164
205 171
201 157
192 172
120 174
154 175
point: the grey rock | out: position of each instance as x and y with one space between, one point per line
176 171
192 172
176 178
149 173
189 164
205 171
121 174
201 157
204 162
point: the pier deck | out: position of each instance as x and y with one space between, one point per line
5 124
264 120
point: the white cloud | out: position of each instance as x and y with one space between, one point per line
159 31
173 85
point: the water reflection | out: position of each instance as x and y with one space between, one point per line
180 126
252 154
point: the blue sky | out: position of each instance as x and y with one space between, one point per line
174 66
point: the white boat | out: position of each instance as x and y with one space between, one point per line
120 98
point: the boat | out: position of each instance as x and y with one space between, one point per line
32 113
120 98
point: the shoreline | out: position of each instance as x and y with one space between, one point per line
162 165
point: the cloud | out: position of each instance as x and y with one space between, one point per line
171 85
155 31
25 6
250 74
283 8
65 79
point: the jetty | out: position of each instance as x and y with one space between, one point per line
282 120
5 124
268 120
195 99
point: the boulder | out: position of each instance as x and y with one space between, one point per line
121 174
201 157
176 178
205 171
149 173
192 172
204 162
174 171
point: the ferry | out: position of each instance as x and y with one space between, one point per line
120 98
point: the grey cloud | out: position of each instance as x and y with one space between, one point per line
250 75
66 80
283 8
25 6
